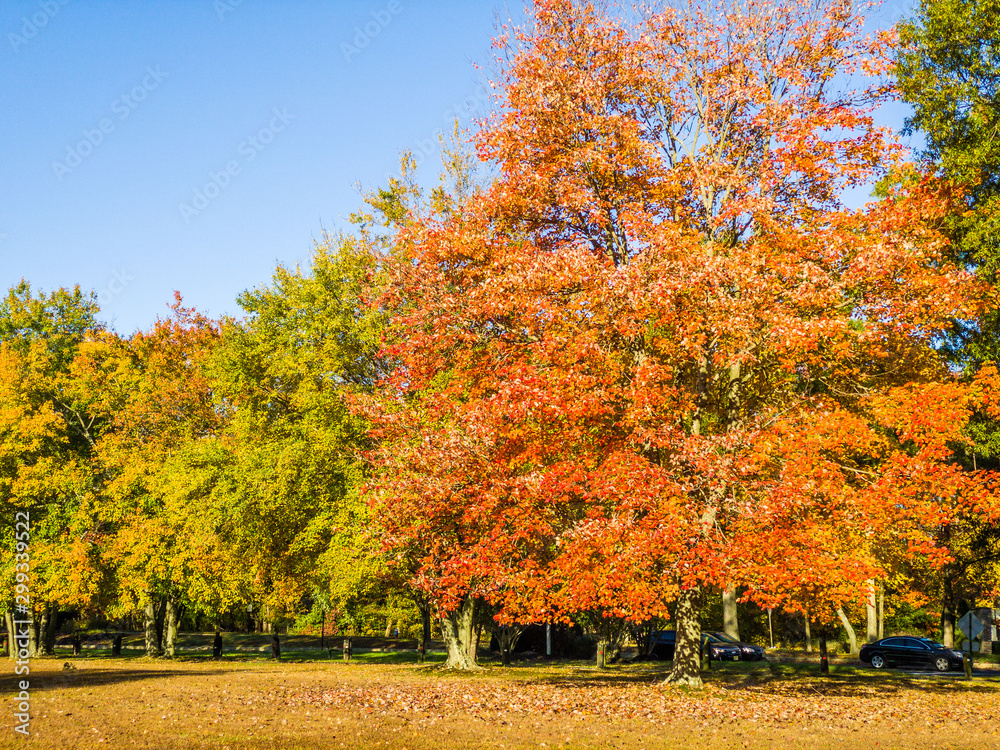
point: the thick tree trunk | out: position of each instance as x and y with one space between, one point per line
457 630
507 637
33 639
8 619
730 618
43 626
161 616
948 615
50 629
477 635
172 619
37 632
425 628
851 635
425 620
149 625
871 633
809 640
687 650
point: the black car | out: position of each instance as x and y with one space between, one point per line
910 653
665 640
748 652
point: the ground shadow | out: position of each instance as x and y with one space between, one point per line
96 677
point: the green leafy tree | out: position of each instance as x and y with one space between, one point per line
293 514
948 69
48 429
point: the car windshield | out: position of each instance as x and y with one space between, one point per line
723 637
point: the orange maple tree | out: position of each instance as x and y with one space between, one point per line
659 352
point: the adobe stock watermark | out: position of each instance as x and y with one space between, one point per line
121 107
363 35
223 7
31 26
249 149
23 622
117 283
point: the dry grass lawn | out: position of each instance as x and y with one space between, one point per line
244 705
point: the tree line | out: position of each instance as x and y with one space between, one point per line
633 347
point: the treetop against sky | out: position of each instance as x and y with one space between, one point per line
191 146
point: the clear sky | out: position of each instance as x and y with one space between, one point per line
193 145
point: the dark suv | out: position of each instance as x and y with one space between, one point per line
665 640
748 652
910 653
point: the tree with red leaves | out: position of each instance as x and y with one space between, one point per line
659 353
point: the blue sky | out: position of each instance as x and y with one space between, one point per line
195 144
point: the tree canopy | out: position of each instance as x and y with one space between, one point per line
632 348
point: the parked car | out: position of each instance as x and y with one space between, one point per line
663 645
748 651
910 653
665 640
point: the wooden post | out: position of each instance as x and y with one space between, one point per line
77 645
967 662
322 629
217 645
600 655
347 650
116 645
824 665
275 645
881 610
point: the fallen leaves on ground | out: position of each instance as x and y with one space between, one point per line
503 702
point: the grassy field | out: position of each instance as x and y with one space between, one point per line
383 700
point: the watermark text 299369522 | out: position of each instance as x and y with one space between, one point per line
22 621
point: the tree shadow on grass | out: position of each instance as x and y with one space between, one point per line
74 678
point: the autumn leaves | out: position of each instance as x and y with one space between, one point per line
652 354
657 353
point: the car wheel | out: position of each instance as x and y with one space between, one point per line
942 664
878 661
